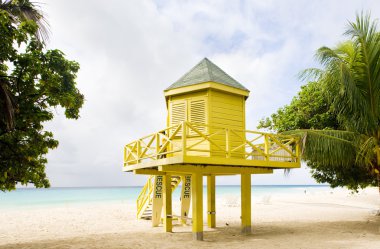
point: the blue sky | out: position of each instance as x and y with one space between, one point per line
129 51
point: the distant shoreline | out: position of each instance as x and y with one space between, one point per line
56 196
218 185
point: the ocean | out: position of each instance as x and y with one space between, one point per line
31 197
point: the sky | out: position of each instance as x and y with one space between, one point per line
130 51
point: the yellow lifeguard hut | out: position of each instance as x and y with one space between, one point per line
205 136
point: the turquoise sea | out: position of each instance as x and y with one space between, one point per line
31 197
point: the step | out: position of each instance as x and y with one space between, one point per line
146 217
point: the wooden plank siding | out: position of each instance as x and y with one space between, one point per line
215 108
227 110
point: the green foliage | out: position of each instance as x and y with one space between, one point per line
33 81
344 99
332 157
23 11
308 110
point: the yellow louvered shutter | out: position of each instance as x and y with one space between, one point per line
177 114
197 114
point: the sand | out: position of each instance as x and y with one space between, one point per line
324 219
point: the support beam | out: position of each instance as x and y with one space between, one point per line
246 203
217 169
211 222
197 205
167 191
148 172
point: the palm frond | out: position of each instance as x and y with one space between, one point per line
366 67
326 55
23 10
310 74
327 147
367 153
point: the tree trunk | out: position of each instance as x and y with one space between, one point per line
378 171
378 167
378 160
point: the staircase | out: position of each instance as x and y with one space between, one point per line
145 198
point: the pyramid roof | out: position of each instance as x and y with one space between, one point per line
206 71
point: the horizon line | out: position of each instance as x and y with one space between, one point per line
205 185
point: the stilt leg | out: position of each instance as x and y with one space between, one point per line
157 201
185 198
246 203
211 201
167 190
197 205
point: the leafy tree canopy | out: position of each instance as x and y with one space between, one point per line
310 109
33 81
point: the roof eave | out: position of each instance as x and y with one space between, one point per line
205 85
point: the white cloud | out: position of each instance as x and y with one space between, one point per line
130 51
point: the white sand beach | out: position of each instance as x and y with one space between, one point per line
325 219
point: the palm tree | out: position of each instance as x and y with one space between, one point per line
351 79
18 12
22 10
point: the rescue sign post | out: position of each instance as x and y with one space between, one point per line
185 198
157 201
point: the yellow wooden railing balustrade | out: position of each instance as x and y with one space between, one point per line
220 142
144 198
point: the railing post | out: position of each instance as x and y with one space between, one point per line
228 147
138 149
266 147
184 137
125 156
157 145
297 150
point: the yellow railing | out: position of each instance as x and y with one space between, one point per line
189 139
144 198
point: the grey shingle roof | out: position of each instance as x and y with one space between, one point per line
206 71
